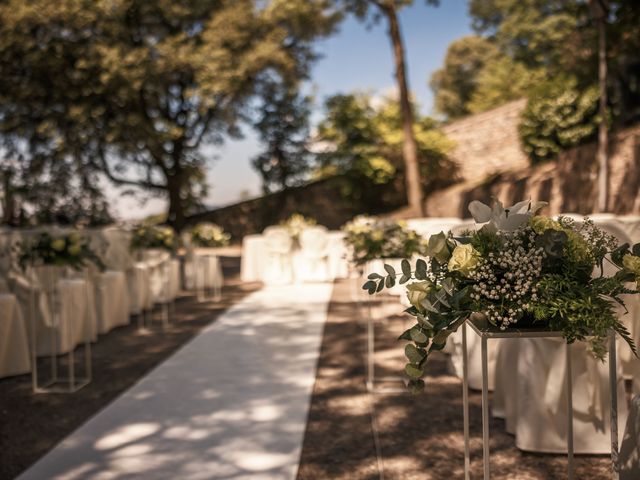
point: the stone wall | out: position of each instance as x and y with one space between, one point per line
322 200
488 142
569 184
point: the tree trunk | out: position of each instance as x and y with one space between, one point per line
599 12
603 134
8 200
410 150
176 216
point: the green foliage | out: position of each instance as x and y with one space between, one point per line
558 116
520 43
455 83
283 125
150 236
296 223
209 235
70 250
135 88
370 239
363 140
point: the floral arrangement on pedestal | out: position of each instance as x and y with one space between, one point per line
65 250
369 238
148 237
518 270
296 223
209 235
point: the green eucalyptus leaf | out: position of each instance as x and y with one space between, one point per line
390 282
380 286
374 276
421 269
636 250
405 267
404 279
414 354
390 270
413 371
416 386
418 336
406 335
370 286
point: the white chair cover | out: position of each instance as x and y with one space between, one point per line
312 260
253 258
14 344
278 269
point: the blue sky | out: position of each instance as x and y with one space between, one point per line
355 58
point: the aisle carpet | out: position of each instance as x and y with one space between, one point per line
232 403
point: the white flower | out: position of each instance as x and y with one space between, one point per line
505 219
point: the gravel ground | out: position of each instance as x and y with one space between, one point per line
30 425
420 437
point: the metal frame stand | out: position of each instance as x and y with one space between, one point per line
372 381
494 333
204 272
71 382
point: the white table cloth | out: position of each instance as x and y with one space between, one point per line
139 283
112 300
14 343
57 333
630 446
537 412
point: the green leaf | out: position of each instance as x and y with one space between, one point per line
414 354
413 371
390 282
418 336
416 386
421 269
406 335
429 306
390 270
380 286
374 276
636 250
404 279
405 267
370 286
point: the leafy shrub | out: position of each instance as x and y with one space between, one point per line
558 116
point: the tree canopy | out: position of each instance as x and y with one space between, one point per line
520 43
283 125
361 138
134 88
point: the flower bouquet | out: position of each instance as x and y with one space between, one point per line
371 239
209 235
147 237
296 223
70 250
519 270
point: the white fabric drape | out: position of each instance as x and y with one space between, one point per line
14 344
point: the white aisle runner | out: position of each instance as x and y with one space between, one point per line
231 404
